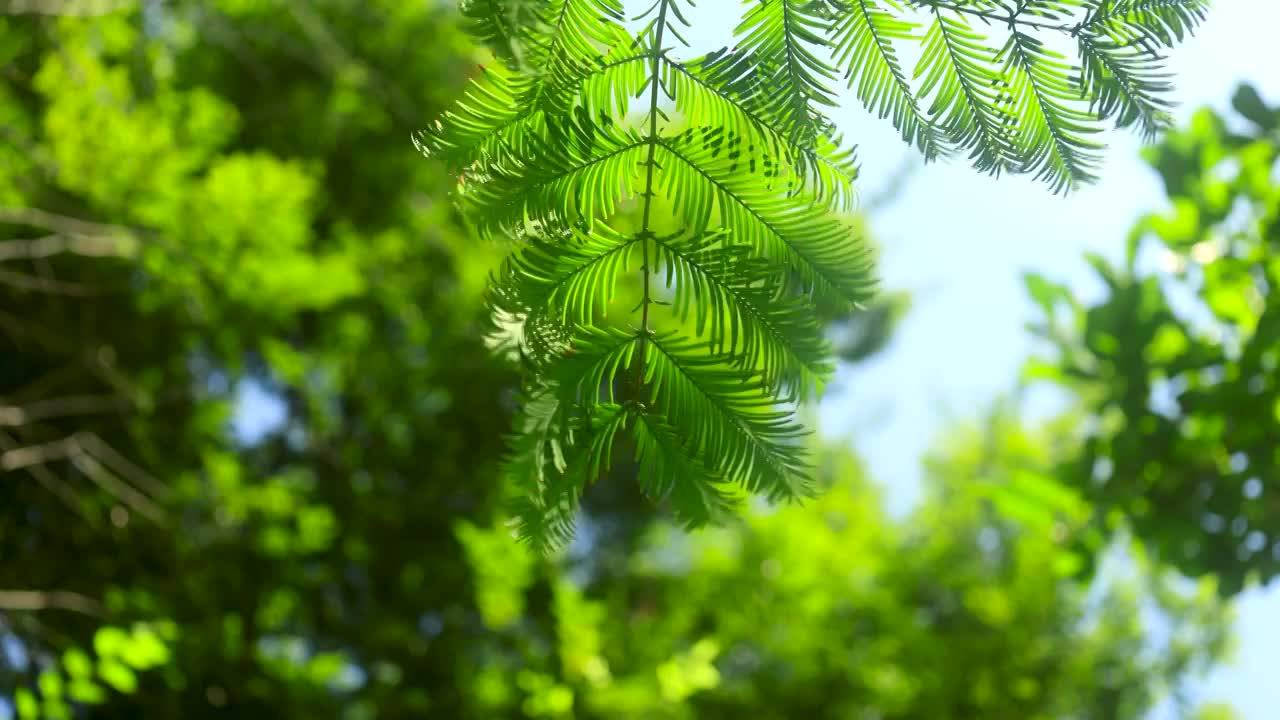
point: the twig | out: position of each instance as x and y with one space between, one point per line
66 8
101 362
73 449
22 281
51 482
1011 20
49 600
60 407
44 385
128 238
136 501
74 243
29 455
119 463
64 224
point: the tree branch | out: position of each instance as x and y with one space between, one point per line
13 415
63 8
63 224
1011 20
32 283
50 600
58 243
74 449
51 482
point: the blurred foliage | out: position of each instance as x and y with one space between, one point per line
1178 368
832 610
80 678
209 198
249 428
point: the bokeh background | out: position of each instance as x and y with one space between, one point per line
249 424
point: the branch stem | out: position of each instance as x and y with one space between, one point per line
655 60
1012 20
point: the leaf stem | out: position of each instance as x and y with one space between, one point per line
655 60
1010 20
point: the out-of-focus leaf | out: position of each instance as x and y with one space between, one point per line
118 675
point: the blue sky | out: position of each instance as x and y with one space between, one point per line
960 240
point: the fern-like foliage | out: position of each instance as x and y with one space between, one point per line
678 220
1020 86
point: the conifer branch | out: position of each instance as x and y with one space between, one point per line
733 195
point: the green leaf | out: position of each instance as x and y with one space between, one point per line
1159 22
144 650
1045 293
1122 82
735 300
567 181
1067 564
615 165
723 415
117 675
969 91
1170 342
1052 127
570 281
863 39
502 26
85 691
783 36
56 710
784 224
724 88
669 469
50 684
1248 103
24 701
77 663
109 642
325 666
544 514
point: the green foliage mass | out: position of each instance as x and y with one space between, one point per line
216 198
832 610
1178 368
738 178
198 198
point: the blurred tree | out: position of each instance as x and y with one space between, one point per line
831 610
1178 369
204 198
250 426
